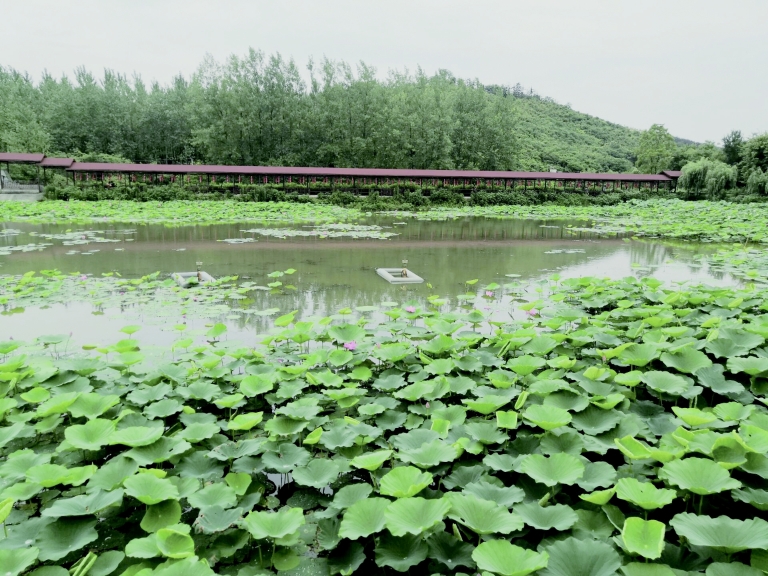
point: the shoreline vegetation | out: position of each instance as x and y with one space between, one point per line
703 221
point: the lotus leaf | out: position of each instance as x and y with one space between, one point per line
556 469
583 557
546 417
317 473
482 516
450 550
404 482
501 557
150 489
363 518
557 516
278 524
165 513
64 536
643 537
722 533
699 475
414 515
14 562
644 494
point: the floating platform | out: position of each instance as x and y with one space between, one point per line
395 276
187 279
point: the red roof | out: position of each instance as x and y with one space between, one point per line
672 173
355 172
21 157
57 162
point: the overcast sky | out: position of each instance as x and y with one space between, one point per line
700 67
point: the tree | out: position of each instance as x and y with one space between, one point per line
655 150
708 176
732 147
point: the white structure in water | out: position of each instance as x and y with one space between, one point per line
399 276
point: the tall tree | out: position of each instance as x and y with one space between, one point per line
655 150
732 147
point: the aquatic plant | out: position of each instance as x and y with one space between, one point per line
621 426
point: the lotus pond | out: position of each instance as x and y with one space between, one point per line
556 400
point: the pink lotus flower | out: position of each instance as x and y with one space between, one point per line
351 345
489 293
83 277
410 309
532 312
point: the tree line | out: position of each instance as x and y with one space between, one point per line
261 109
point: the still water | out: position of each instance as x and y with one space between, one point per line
332 273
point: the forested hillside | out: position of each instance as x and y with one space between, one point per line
260 109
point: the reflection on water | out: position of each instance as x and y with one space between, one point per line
331 273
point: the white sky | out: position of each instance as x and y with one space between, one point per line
700 67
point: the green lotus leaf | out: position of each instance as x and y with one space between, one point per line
665 382
160 451
450 550
694 416
722 533
507 419
594 420
216 519
751 365
48 475
345 559
14 562
572 556
136 435
65 536
215 494
106 563
165 513
175 541
191 566
487 404
371 460
286 458
698 475
546 417
35 395
633 448
404 482
482 516
643 537
256 385
8 433
363 518
90 436
429 454
540 345
440 366
755 497
731 343
113 473
57 404
238 481
503 496
557 516
414 515
283 426
644 494
400 552
150 489
506 559
556 469
6 506
163 408
278 524
732 569
733 411
143 547
199 431
349 494
597 474
687 360
646 569
92 405
639 354
525 365
84 505
317 473
245 421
